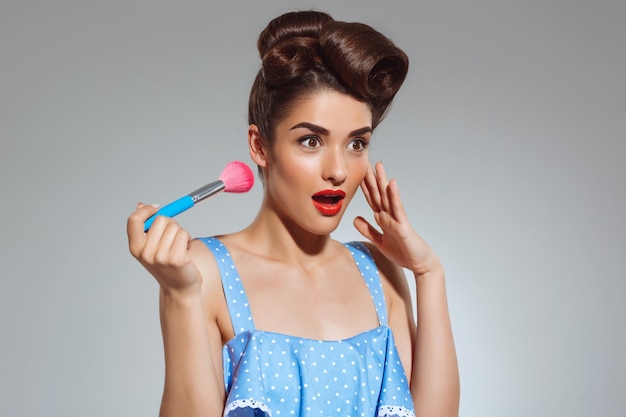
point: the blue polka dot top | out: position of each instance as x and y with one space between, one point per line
272 374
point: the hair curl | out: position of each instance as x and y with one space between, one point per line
304 52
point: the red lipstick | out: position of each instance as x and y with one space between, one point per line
329 202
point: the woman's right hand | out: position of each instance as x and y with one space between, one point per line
163 250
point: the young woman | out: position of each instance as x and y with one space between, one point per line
279 319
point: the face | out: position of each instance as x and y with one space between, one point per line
318 159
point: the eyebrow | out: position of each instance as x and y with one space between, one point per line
323 131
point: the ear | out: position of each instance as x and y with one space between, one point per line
256 145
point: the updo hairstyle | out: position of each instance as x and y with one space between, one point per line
305 52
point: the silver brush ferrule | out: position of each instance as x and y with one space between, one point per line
207 191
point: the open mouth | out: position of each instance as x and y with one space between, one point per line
329 202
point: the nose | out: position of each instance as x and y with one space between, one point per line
334 167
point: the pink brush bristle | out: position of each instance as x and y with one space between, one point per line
237 177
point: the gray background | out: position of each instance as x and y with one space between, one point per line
508 141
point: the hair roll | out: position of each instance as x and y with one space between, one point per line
303 52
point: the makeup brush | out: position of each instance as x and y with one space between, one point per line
236 177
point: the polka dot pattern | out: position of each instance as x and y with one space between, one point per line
272 374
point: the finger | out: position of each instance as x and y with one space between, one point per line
397 207
367 230
165 251
153 240
180 246
383 219
366 193
134 226
370 189
382 184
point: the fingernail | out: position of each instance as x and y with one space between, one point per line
155 205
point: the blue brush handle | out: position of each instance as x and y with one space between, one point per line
171 210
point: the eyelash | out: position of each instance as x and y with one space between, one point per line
305 141
363 143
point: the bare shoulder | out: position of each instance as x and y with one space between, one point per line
215 307
204 260
399 306
392 275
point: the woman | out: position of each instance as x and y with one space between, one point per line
278 318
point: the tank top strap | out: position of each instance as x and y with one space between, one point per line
236 299
369 271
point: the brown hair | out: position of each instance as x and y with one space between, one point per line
307 51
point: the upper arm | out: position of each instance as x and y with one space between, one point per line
215 309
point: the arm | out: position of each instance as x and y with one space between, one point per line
191 339
434 373
435 370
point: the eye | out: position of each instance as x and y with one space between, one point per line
358 145
310 142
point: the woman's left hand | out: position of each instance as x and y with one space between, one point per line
397 240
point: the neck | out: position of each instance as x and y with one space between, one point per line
284 240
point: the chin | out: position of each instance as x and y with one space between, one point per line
327 225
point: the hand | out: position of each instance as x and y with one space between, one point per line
397 240
163 250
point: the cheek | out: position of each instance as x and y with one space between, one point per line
295 169
292 171
360 169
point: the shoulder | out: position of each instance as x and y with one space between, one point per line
203 258
205 252
399 305
215 307
391 273
393 280
205 261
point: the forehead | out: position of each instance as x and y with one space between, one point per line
329 109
